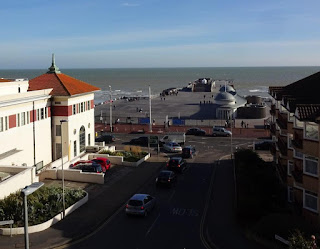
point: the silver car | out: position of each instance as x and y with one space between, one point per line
172 147
220 131
140 204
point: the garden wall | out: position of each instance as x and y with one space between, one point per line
21 177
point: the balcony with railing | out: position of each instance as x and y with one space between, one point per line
297 141
273 129
282 121
282 145
297 173
273 110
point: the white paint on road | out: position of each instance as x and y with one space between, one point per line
190 212
152 225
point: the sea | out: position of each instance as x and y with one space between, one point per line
135 82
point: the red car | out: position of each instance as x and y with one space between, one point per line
104 162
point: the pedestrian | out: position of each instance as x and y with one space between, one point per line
242 123
246 124
114 107
204 96
200 102
226 124
164 98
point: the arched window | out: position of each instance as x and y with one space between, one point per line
82 138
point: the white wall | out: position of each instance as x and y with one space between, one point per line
21 138
23 176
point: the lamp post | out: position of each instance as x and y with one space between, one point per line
27 191
150 121
231 137
110 108
63 199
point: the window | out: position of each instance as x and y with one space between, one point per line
23 118
290 138
298 154
74 109
290 167
58 151
298 123
88 105
18 119
311 165
58 130
89 139
82 138
42 113
291 117
290 194
81 107
6 123
38 114
1 124
310 201
311 130
46 112
28 117
75 148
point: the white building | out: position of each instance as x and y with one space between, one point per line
31 115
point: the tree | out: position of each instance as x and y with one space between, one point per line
297 240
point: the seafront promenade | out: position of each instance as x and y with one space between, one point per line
185 105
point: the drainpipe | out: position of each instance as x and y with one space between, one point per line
34 141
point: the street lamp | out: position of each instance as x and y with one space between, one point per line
150 124
27 191
63 200
110 108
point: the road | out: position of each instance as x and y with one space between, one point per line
177 220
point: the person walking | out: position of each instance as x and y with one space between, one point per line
242 123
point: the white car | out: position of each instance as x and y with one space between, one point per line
172 147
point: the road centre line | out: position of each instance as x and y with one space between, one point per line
152 225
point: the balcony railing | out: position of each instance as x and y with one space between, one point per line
297 175
273 128
273 109
282 146
282 122
297 141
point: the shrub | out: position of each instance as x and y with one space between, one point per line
43 204
129 156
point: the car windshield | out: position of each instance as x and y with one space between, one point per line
135 203
174 144
164 174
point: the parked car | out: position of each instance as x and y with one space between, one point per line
89 167
140 204
220 131
167 178
263 145
106 138
104 162
176 164
143 141
189 151
172 147
80 162
196 131
178 137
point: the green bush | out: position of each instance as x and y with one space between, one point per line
43 205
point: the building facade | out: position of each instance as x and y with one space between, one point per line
45 118
295 120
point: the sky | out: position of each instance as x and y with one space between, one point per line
159 33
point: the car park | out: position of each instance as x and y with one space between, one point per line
166 178
176 164
143 141
140 204
189 151
263 145
220 131
107 138
172 147
196 131
89 167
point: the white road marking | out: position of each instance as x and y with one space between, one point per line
152 225
171 195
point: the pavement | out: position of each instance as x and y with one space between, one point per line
105 200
